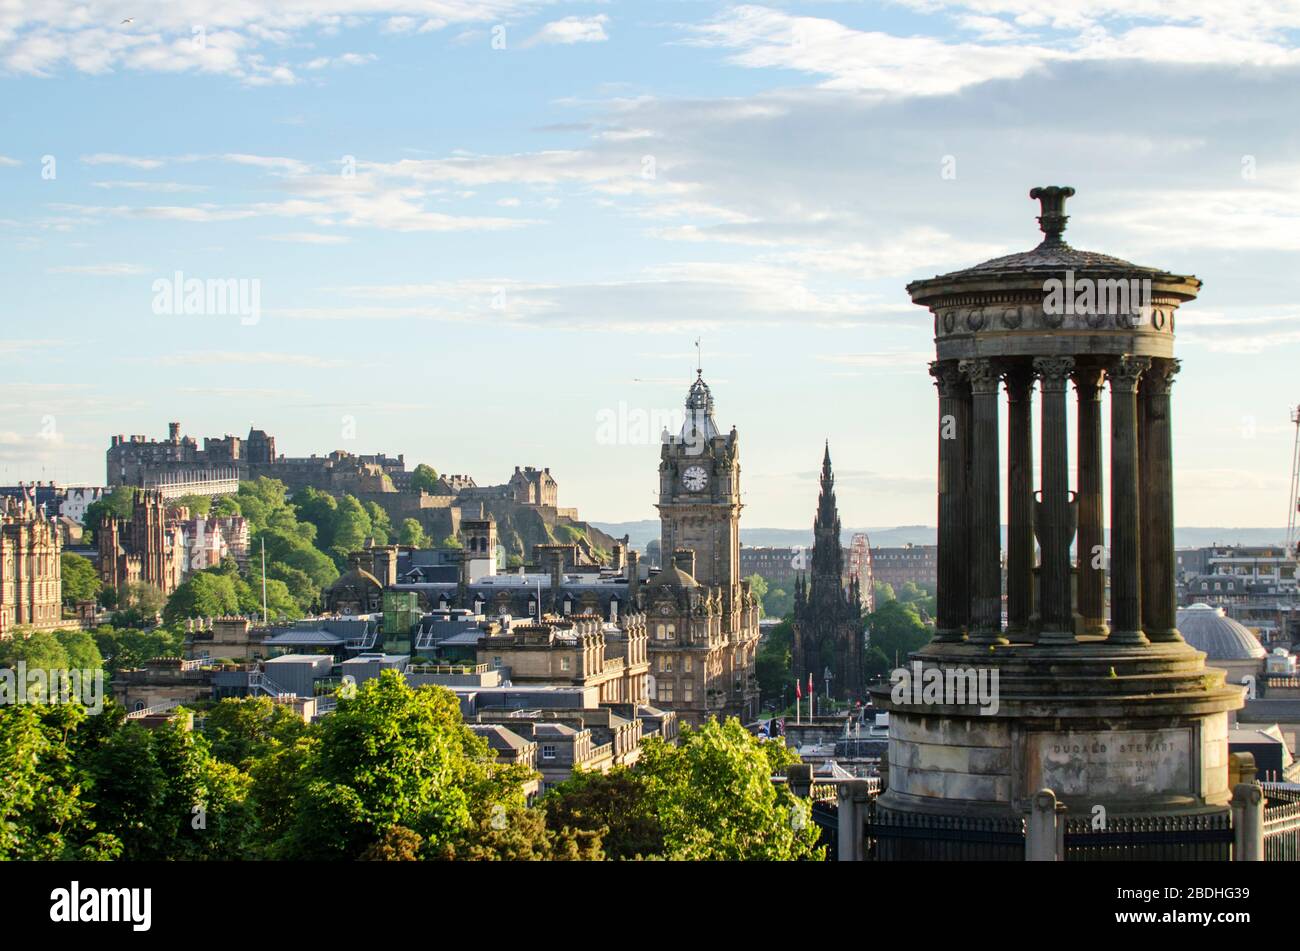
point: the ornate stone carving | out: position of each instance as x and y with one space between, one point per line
983 374
975 318
1124 372
1012 318
1053 372
1160 377
948 378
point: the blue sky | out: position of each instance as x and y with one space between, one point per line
481 231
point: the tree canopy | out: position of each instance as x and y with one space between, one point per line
424 478
80 579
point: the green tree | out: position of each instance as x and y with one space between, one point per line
883 591
451 541
909 592
715 799
772 661
320 509
39 650
896 629
424 478
207 593
226 505
242 731
876 664
395 756
44 814
613 805
80 579
778 602
143 597
351 529
518 834
397 844
197 504
118 503
80 649
381 527
124 648
413 534
162 794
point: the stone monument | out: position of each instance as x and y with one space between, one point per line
1108 708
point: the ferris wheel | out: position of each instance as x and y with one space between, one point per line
860 568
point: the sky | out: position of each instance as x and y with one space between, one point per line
490 234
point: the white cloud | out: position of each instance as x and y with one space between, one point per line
254 358
309 237
131 161
571 30
99 270
150 186
46 37
883 64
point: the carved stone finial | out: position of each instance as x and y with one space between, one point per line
1051 199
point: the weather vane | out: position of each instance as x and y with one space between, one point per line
699 359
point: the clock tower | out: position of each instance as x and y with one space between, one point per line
699 494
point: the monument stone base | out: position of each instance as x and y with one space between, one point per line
1134 729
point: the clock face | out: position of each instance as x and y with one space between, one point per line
695 478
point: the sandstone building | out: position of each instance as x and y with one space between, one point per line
148 547
31 586
702 617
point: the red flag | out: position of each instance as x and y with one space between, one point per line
810 686
798 690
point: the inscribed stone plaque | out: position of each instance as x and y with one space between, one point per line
1120 762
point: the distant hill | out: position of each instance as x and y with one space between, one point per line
641 532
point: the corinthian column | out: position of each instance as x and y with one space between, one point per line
952 604
1159 601
985 504
1090 548
1020 499
1125 503
1056 609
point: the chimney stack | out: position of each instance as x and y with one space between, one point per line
684 558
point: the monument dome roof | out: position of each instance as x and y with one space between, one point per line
1052 254
355 578
672 575
1209 629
